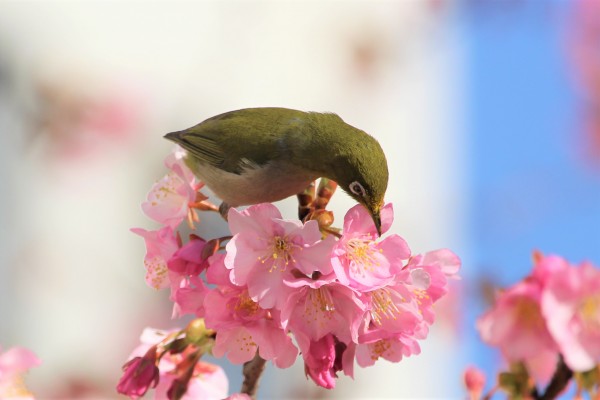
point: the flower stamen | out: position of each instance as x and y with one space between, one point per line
246 306
319 306
383 306
362 255
379 348
281 252
589 310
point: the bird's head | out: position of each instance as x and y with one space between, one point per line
362 172
368 189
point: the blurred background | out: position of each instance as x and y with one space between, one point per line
489 113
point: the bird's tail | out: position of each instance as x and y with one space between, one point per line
176 137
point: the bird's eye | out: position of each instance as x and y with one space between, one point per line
358 189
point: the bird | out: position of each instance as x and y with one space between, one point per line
259 155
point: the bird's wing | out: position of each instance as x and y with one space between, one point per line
237 140
204 147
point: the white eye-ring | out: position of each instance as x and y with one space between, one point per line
358 189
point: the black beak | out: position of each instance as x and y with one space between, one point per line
377 219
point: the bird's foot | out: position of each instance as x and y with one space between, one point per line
305 201
312 203
312 199
325 219
325 191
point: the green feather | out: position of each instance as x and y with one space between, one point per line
321 144
240 139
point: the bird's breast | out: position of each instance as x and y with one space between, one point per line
265 184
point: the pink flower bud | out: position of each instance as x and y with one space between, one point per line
319 362
140 374
474 381
324 358
188 260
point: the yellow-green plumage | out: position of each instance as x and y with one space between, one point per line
260 155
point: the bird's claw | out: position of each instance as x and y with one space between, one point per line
312 203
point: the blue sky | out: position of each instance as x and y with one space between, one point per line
530 187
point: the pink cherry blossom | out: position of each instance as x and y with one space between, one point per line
444 259
393 309
188 298
517 326
160 247
362 262
546 267
403 310
323 359
323 306
14 363
571 306
389 346
397 317
428 278
265 250
217 273
170 199
243 326
175 162
185 265
358 220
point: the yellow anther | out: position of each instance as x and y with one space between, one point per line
383 306
362 255
281 252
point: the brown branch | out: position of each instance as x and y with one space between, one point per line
559 381
252 370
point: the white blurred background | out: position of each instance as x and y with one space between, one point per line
87 89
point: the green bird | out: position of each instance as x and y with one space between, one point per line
258 155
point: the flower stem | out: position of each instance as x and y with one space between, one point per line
253 369
558 383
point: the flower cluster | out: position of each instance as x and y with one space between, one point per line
14 363
547 323
279 287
